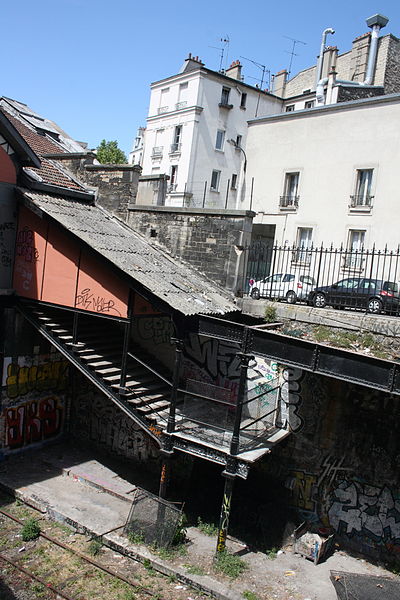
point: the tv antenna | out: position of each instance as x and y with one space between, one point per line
293 53
264 70
225 41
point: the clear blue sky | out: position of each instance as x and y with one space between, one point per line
87 64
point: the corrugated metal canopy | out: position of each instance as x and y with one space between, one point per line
180 286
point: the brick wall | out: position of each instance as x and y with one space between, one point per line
210 240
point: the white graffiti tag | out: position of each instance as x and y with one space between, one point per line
366 510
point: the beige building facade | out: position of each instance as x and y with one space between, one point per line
328 175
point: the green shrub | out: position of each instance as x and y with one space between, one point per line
270 313
95 546
207 528
229 564
30 530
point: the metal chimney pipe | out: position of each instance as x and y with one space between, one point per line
376 22
321 53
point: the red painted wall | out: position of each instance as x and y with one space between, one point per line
7 169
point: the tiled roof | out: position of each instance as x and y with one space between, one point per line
49 172
181 287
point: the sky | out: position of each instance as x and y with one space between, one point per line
88 64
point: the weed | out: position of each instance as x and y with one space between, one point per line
30 530
95 546
38 589
148 566
271 553
207 528
270 313
180 531
129 595
194 570
136 537
229 564
18 502
248 595
171 578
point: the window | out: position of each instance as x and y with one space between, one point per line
233 181
309 104
163 107
304 243
362 196
182 96
173 178
353 258
290 108
225 96
219 142
243 100
176 145
290 198
215 177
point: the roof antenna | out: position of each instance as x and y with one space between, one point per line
293 53
225 41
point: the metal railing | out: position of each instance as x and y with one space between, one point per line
176 147
361 201
162 109
289 201
157 151
180 105
293 272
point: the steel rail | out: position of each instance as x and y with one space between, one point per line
94 563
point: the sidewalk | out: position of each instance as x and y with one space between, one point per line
73 486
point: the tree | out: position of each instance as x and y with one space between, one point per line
109 153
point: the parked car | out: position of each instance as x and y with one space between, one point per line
374 295
282 286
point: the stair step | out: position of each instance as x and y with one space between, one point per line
108 371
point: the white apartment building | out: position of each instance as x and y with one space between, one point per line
196 134
328 175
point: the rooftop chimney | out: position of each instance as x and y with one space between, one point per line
235 70
191 64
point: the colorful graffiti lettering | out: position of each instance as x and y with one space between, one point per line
214 356
32 422
367 510
302 486
23 379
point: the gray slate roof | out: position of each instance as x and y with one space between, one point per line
180 286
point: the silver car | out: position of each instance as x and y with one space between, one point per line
282 286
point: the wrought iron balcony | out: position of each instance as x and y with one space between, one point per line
157 151
180 105
162 109
225 105
362 201
289 202
175 148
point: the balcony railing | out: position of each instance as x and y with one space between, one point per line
175 148
162 109
180 105
225 105
290 202
157 151
361 201
172 188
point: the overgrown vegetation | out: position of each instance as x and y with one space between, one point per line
270 313
194 569
229 564
207 528
136 537
349 339
30 530
95 546
271 553
180 531
248 595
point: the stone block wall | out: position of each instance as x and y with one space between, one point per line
210 240
392 72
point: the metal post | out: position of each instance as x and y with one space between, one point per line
244 363
204 193
227 192
125 348
251 193
225 511
175 384
165 474
75 329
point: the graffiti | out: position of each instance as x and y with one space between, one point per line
302 486
367 510
155 430
98 304
25 245
214 356
290 399
158 330
33 421
107 425
223 529
21 380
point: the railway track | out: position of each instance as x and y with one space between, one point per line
68 583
